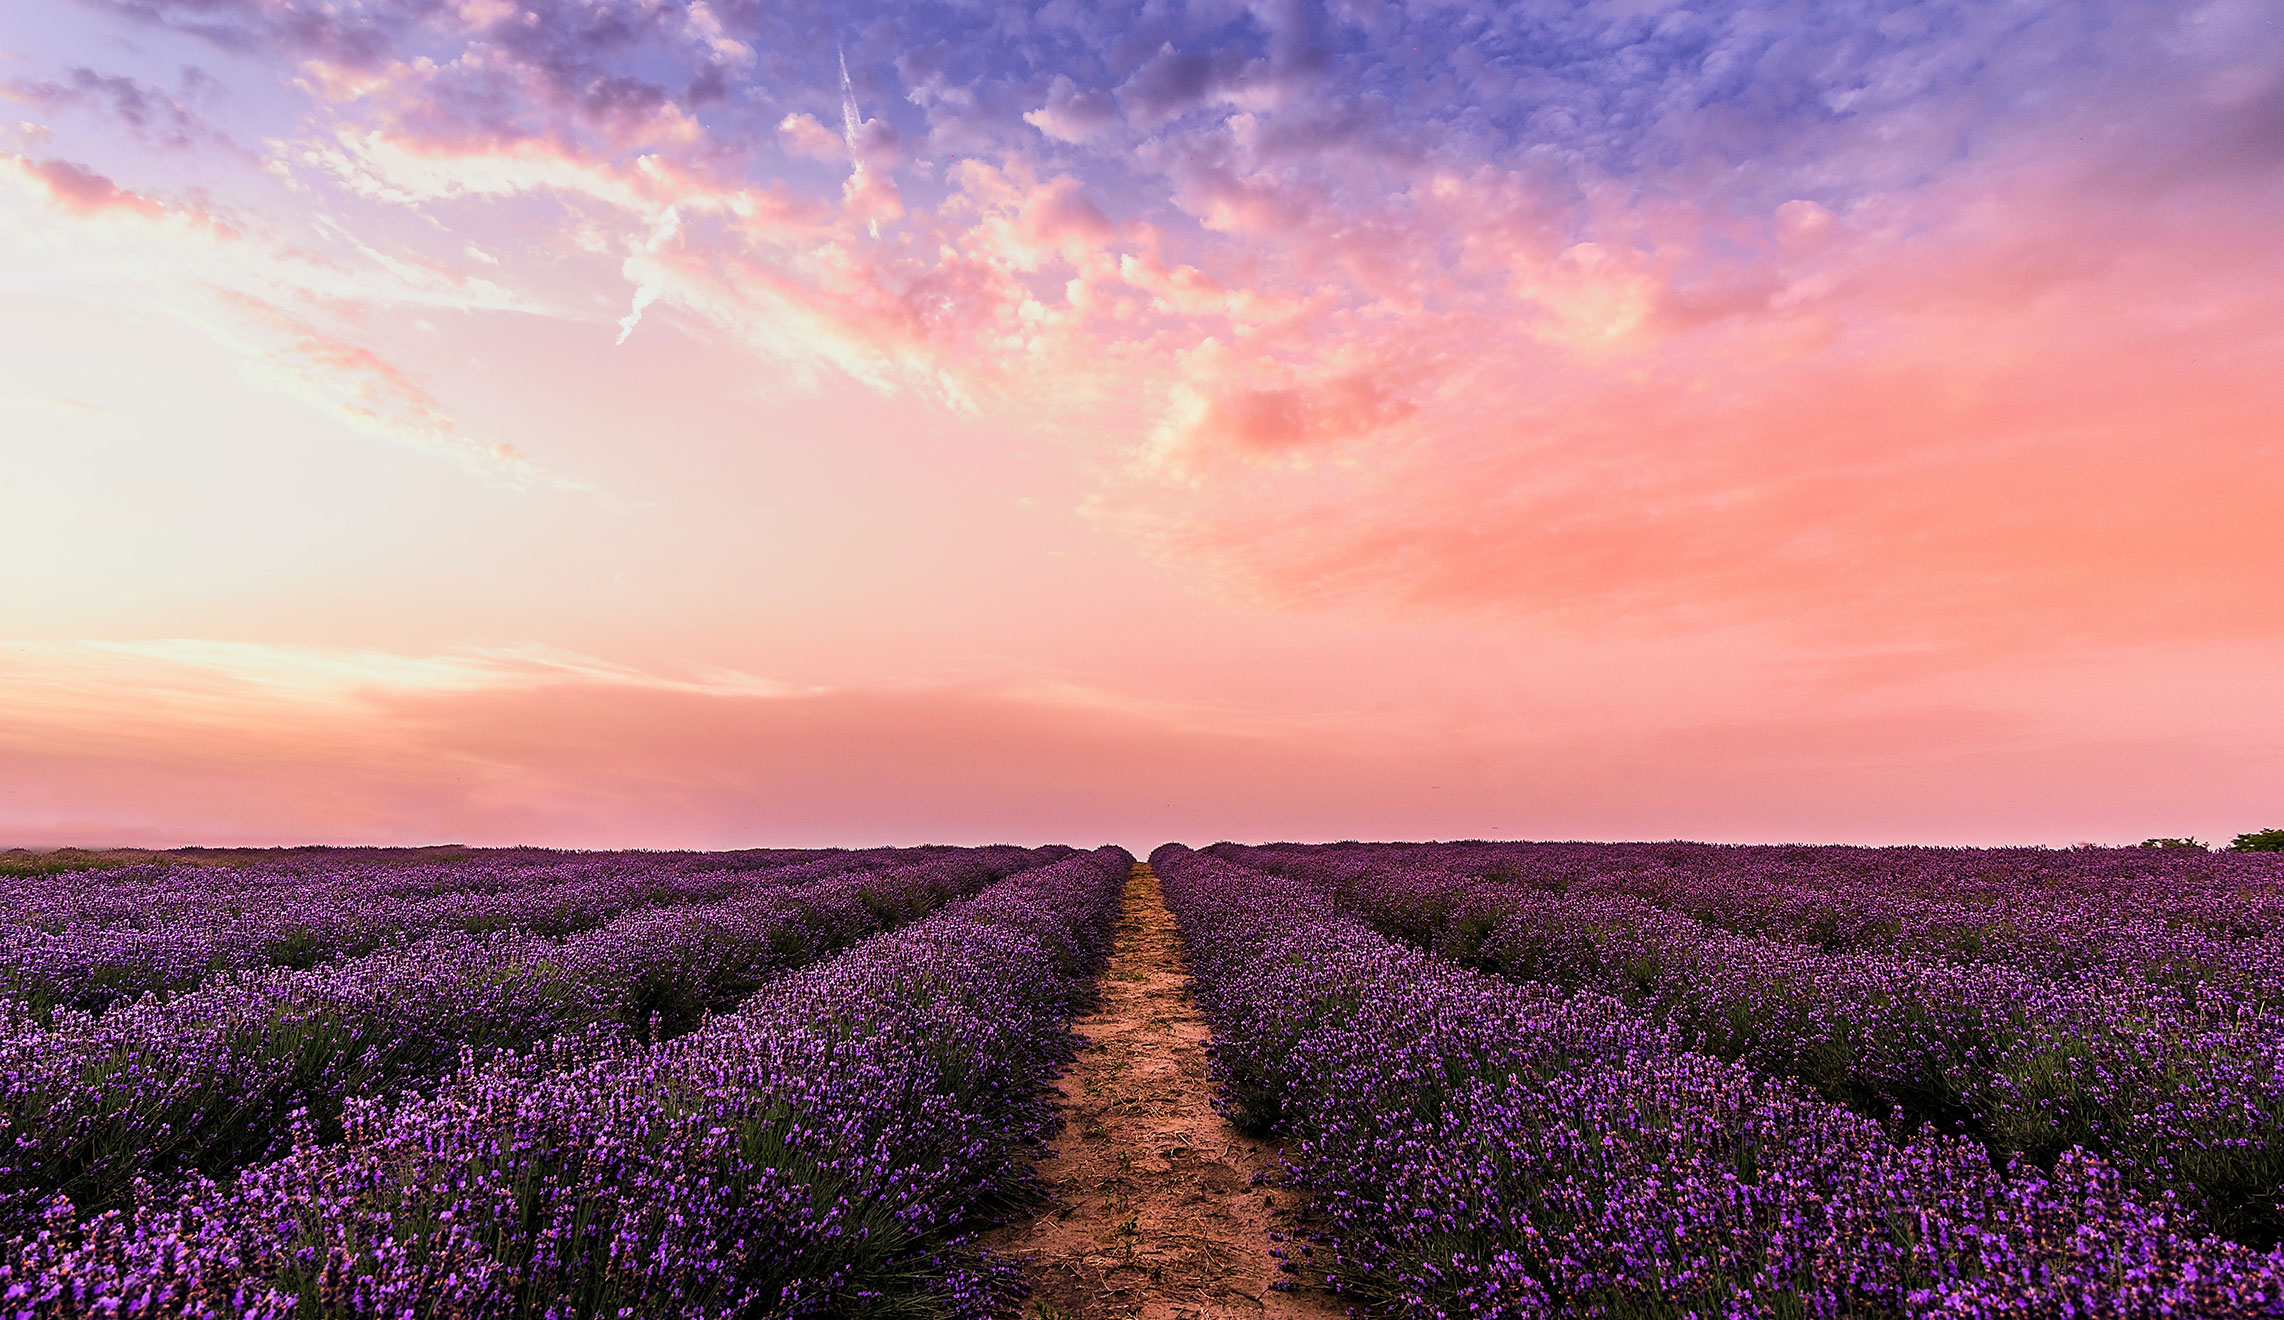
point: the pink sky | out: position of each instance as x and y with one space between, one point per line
612 424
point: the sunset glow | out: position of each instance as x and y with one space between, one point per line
639 422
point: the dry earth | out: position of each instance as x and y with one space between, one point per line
1153 1212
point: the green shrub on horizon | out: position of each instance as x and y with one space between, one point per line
2258 841
2175 845
26 864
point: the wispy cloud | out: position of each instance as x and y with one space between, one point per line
334 674
157 117
238 289
366 390
50 403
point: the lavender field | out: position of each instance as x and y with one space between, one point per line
1628 1080
1683 1080
535 1084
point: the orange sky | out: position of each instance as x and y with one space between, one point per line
612 424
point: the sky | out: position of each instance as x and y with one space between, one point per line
716 423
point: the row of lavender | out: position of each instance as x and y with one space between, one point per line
2163 1050
2039 910
204 1082
1482 1147
830 1148
86 940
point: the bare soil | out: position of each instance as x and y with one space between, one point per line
1154 1213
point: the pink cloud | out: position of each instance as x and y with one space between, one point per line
871 197
82 192
804 135
497 753
1072 114
83 195
2011 409
1059 217
1230 407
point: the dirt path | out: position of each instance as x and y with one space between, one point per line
1154 1214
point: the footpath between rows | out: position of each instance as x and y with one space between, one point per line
1154 1213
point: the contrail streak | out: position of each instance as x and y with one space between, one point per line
850 119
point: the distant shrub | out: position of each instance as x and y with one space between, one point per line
2258 841
23 864
2180 845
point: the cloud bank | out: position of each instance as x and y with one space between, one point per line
1910 338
